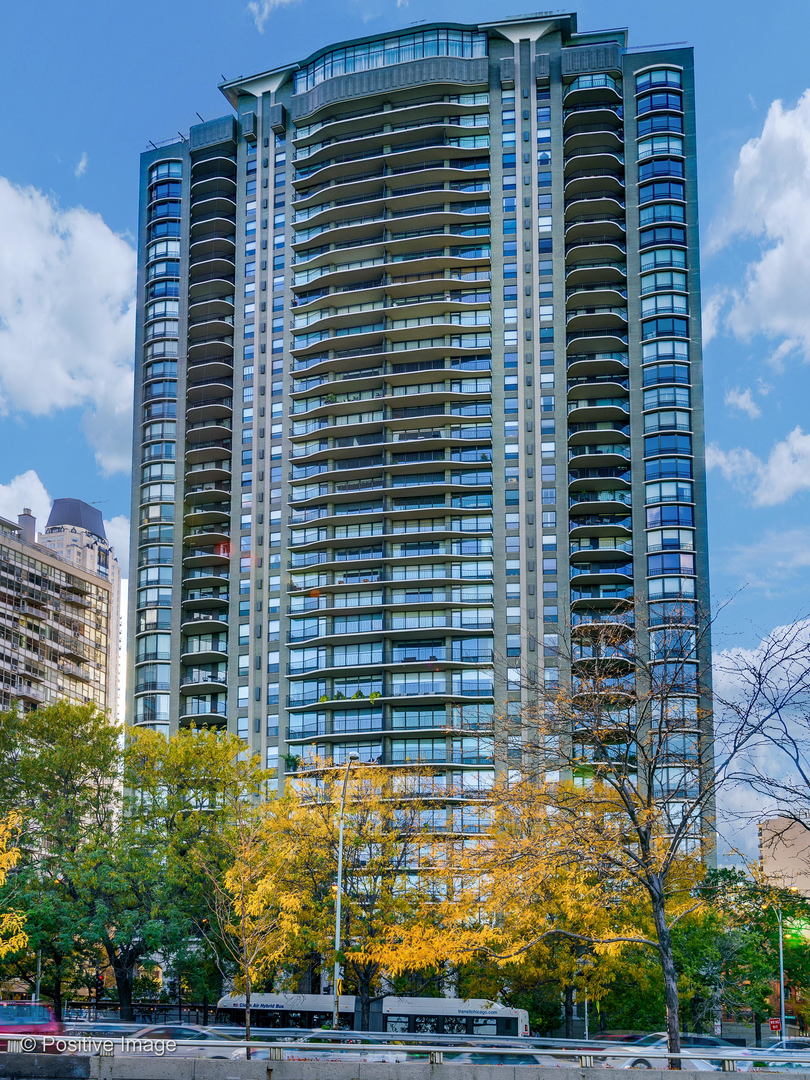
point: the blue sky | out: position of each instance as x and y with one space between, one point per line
86 85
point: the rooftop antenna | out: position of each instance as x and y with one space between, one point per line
202 121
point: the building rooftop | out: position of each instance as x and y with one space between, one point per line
76 513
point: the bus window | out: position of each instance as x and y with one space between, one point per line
321 1019
426 1023
396 1023
455 1025
296 1020
481 1026
507 1025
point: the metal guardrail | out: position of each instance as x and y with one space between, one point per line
107 1043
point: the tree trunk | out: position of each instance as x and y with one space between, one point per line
670 978
124 976
248 1000
568 1012
57 991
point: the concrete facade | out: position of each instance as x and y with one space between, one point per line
59 623
419 398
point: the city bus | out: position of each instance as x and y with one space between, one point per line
415 1015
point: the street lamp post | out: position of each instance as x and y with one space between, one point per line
351 758
782 1032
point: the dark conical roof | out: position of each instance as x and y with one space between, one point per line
78 513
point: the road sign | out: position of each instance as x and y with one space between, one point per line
775 1024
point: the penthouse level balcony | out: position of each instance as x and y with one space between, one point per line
591 88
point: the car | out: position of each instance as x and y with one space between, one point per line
27 1018
495 1057
189 1038
693 1047
793 1047
362 1049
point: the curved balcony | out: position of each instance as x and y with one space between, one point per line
215 471
206 577
210 327
598 573
196 682
211 407
600 250
212 450
358 186
201 598
595 622
210 223
592 184
584 341
612 597
580 136
606 113
602 500
217 534
208 513
215 716
614 455
209 197
605 156
381 140
204 431
587 89
203 621
215 282
208 369
605 317
214 167
392 112
217 556
197 650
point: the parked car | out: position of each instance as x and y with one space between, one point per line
189 1037
27 1018
792 1047
693 1047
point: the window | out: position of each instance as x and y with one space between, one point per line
660 144
658 77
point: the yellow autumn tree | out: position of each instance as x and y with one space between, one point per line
12 923
388 836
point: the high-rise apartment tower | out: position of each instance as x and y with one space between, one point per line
59 610
418 391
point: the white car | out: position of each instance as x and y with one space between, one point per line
188 1038
360 1049
793 1047
693 1047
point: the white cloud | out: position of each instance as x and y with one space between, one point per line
771 191
81 165
117 530
25 490
742 399
713 315
262 9
785 473
67 284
